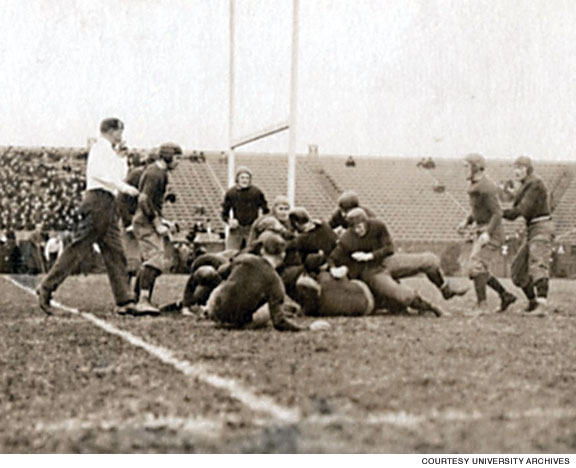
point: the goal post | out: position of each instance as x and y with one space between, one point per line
290 124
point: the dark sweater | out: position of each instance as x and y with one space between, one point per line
531 200
377 241
245 202
485 207
252 283
320 238
152 188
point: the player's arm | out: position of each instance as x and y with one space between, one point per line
262 203
496 217
226 207
275 305
529 198
386 246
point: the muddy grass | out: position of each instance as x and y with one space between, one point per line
502 383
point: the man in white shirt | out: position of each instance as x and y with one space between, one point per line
105 173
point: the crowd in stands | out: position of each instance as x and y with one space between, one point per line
39 187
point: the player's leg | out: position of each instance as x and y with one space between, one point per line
234 239
520 275
155 261
385 289
116 266
404 265
540 253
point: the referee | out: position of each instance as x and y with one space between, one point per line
105 173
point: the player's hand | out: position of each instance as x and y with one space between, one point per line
132 191
170 225
162 229
339 272
363 256
484 238
233 224
461 229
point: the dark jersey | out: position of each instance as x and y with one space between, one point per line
152 189
320 238
377 241
252 283
245 202
485 207
531 200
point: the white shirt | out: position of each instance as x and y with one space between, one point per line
105 169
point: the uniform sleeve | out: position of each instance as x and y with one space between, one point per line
226 207
340 255
529 198
148 187
276 307
496 210
386 246
335 220
262 203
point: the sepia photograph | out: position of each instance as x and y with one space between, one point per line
289 227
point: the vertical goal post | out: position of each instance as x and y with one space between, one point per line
289 125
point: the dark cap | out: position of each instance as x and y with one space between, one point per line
476 160
299 216
524 161
348 200
111 123
272 243
356 216
168 151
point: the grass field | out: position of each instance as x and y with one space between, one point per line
80 383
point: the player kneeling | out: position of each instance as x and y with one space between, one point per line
253 294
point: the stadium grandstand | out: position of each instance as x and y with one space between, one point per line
421 199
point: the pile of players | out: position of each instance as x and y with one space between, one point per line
280 263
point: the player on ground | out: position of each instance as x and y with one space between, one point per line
247 203
531 266
346 202
251 284
105 172
486 216
367 250
150 227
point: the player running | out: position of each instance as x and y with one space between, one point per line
531 266
486 217
150 227
105 172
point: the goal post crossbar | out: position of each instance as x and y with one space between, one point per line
259 135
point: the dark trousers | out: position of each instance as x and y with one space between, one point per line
98 224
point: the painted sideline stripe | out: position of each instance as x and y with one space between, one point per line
259 403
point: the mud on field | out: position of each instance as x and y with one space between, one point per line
502 383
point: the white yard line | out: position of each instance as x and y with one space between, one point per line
259 403
199 426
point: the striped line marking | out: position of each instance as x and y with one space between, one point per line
257 403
